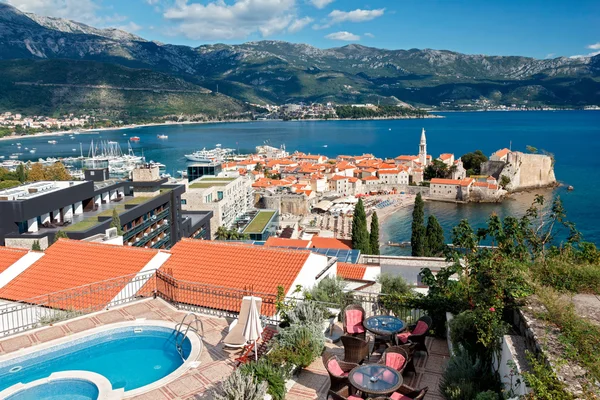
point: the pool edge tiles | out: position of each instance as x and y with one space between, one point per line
40 350
105 390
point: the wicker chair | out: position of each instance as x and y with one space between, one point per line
338 380
356 350
406 366
408 393
344 395
417 338
354 329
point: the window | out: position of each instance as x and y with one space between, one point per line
183 201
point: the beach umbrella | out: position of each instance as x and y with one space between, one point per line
253 328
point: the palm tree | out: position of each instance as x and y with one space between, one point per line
222 233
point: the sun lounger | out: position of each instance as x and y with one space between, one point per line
235 337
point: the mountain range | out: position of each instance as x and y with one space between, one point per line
132 69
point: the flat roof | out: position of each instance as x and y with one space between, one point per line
216 178
35 189
259 222
206 185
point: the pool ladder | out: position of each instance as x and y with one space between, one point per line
187 325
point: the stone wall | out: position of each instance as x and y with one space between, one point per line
25 243
296 204
528 171
492 168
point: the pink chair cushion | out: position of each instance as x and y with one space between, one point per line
403 337
354 321
394 360
398 396
388 376
354 398
420 329
334 367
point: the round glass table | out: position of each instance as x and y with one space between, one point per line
384 325
375 379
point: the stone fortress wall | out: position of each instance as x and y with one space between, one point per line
525 171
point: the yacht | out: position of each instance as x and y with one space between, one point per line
162 136
207 156
52 141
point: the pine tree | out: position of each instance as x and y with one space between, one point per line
374 235
417 239
434 235
116 222
360 233
60 235
36 246
21 173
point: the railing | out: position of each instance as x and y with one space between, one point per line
191 296
50 308
148 222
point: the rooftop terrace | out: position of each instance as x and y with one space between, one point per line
259 222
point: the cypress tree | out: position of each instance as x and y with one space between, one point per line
116 222
360 233
417 239
60 235
21 173
434 234
36 246
374 235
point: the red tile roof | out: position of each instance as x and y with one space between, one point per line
282 242
446 156
353 272
238 268
440 181
502 153
9 256
319 242
69 264
370 178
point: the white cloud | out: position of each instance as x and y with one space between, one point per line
369 35
320 4
357 15
343 35
595 46
550 55
85 11
299 24
218 20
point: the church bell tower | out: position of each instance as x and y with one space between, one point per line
423 149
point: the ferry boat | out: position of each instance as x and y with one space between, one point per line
162 136
207 156
134 138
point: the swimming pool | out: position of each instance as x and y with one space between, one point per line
130 357
63 389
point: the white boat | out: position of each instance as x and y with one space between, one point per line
162 136
52 141
1 157
13 156
217 154
32 151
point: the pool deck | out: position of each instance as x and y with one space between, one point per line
217 363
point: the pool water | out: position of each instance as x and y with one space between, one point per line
63 389
128 357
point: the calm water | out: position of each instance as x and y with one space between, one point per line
573 136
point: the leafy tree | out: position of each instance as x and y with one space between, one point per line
116 222
374 235
417 239
504 181
36 173
258 167
437 169
434 234
391 284
9 184
36 246
21 173
222 233
531 149
57 172
472 161
360 233
60 235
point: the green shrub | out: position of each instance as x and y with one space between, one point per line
265 371
393 284
330 290
238 386
543 383
488 395
298 344
463 331
465 377
309 312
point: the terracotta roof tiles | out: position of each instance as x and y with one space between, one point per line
352 272
9 256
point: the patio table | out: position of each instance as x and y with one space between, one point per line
384 325
375 379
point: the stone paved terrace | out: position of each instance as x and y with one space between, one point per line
217 363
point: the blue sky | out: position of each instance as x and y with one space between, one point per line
541 29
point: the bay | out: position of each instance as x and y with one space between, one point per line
572 136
